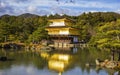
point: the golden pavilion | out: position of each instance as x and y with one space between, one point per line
61 32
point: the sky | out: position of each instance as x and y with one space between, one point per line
47 7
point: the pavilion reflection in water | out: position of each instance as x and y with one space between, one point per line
61 61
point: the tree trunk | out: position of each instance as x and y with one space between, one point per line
112 56
119 56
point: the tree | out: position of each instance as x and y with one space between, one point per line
38 35
108 36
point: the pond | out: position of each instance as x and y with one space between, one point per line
80 62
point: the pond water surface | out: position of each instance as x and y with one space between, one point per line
82 62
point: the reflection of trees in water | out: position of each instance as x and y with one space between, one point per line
114 72
109 71
79 59
21 58
118 72
4 65
88 56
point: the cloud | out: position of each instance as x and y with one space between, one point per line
2 4
31 8
18 1
118 11
90 4
43 7
62 10
5 8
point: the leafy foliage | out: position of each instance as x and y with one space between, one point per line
19 28
101 29
108 36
